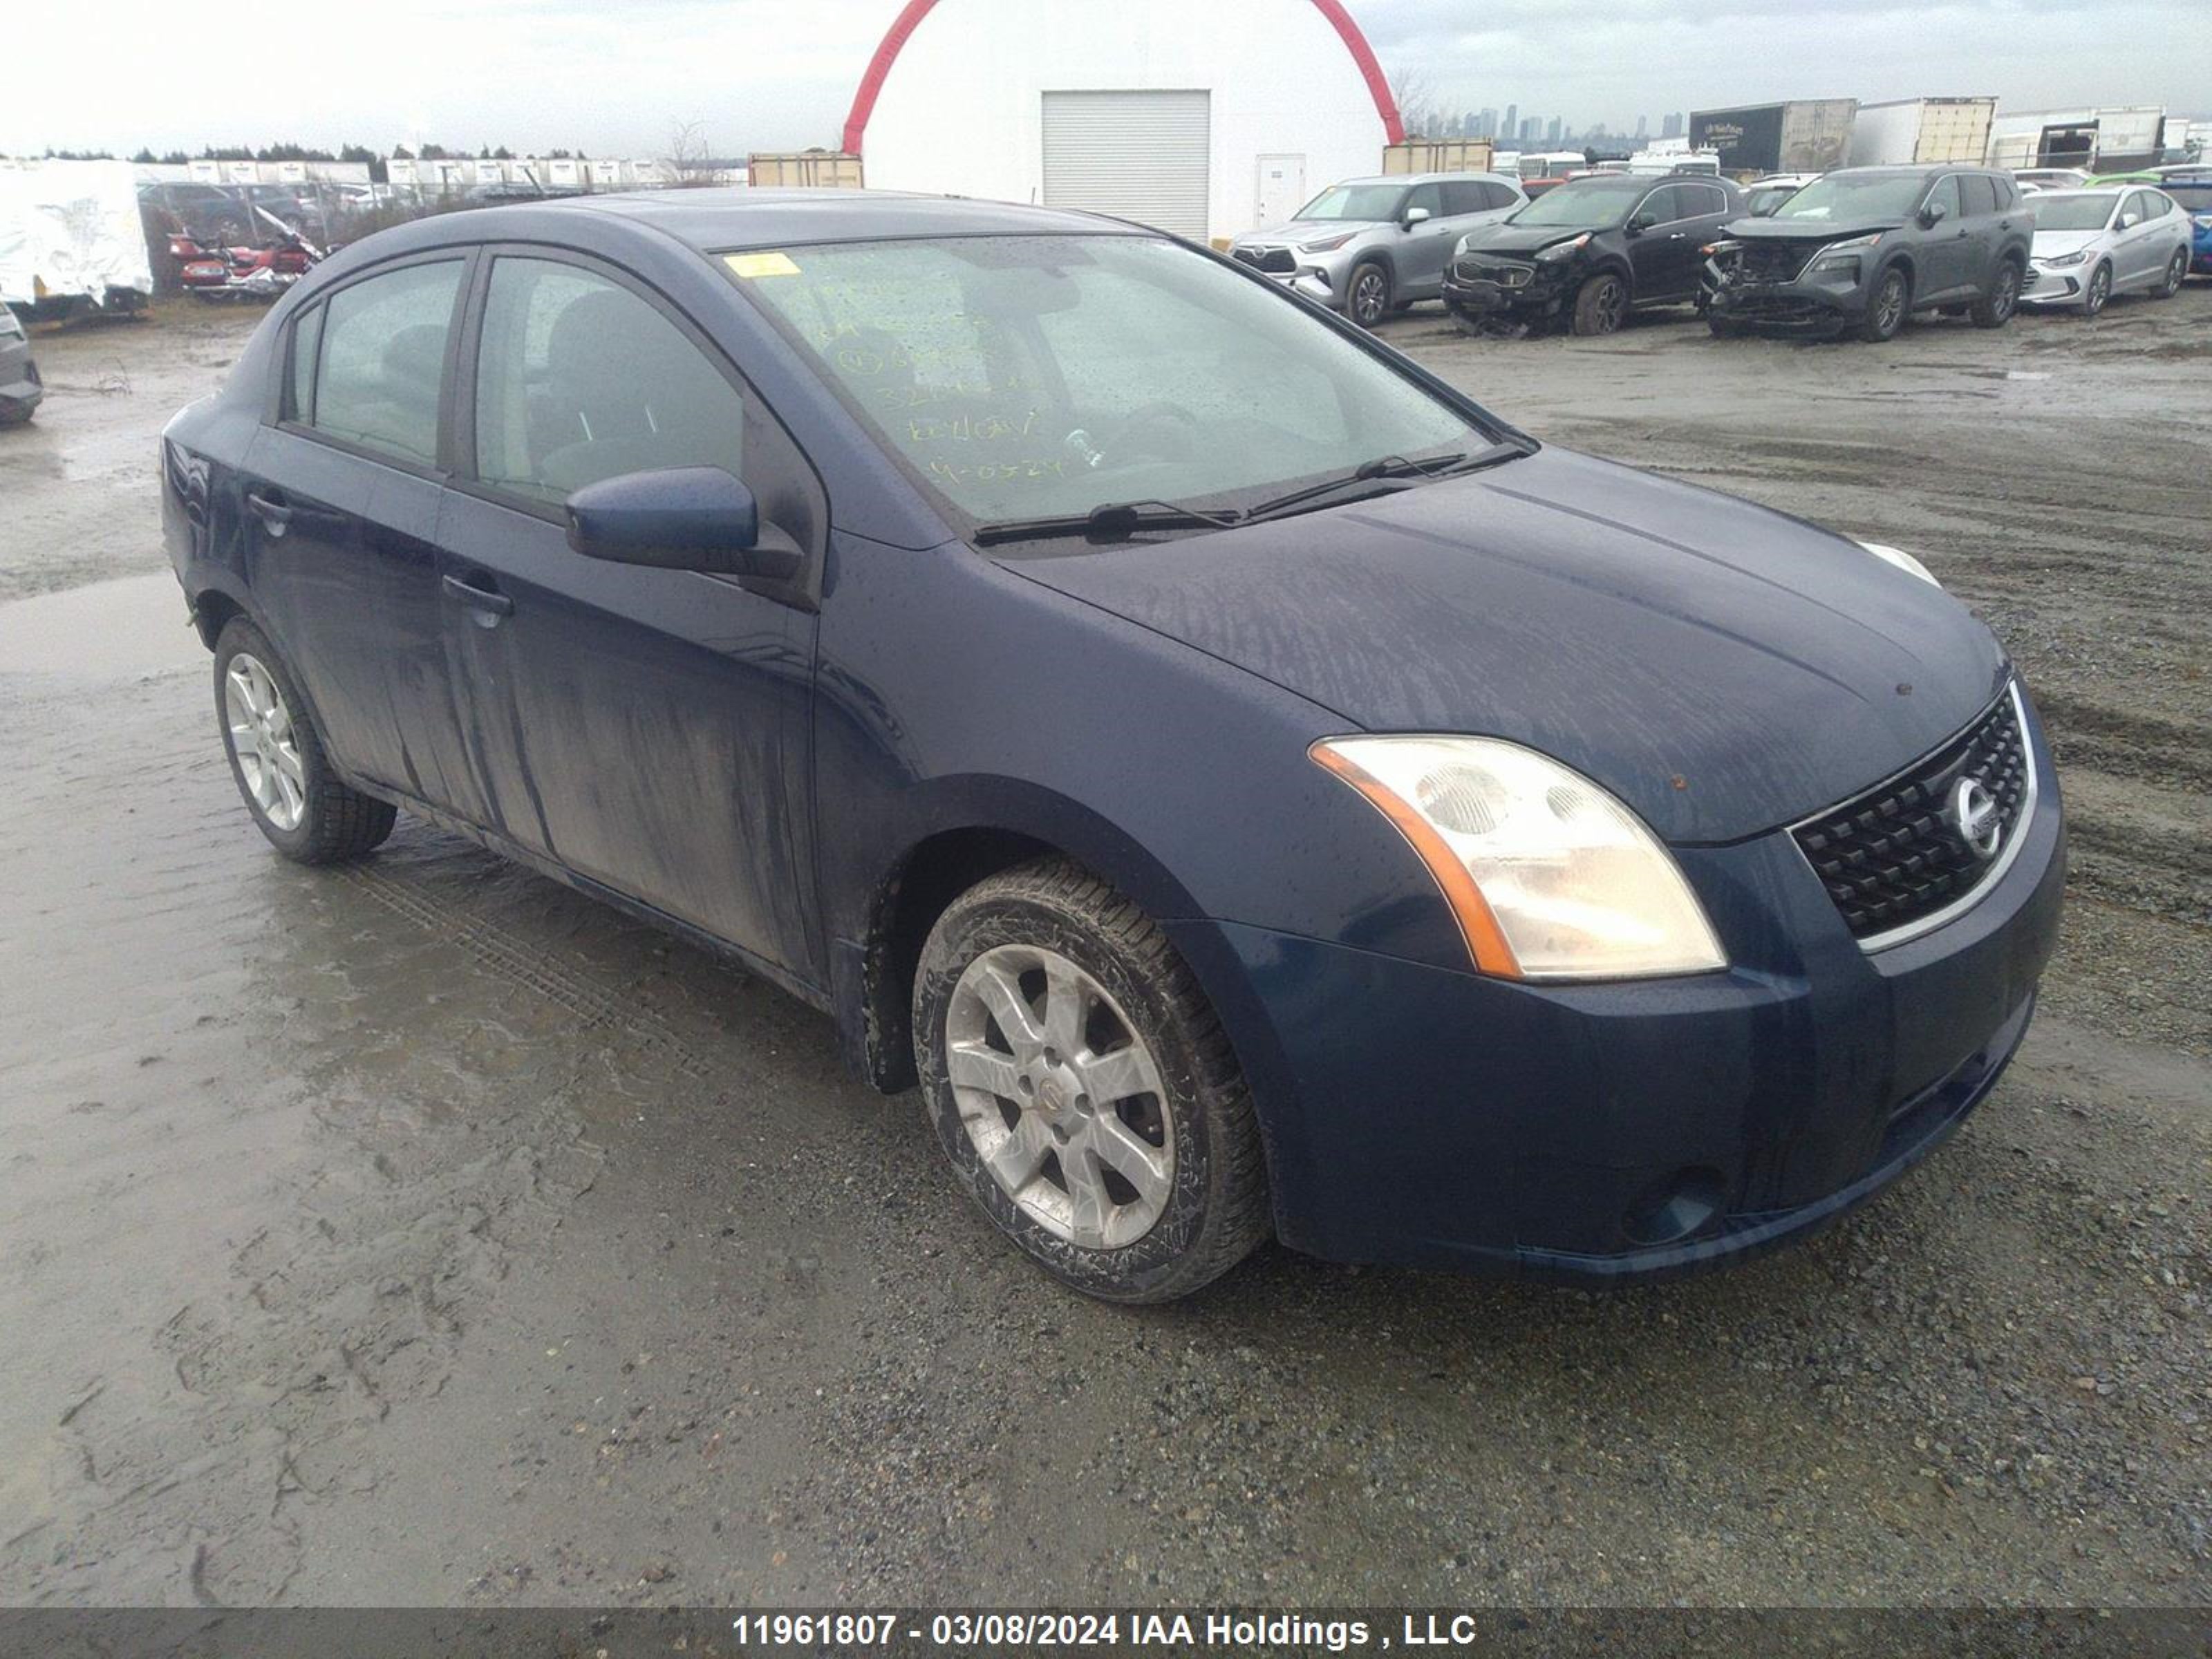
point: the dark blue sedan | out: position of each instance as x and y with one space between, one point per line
1250 789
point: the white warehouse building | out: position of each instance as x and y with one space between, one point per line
1201 116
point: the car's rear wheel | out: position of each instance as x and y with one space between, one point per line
1601 305
1368 299
2099 291
1995 308
2177 270
1886 307
278 759
1083 1088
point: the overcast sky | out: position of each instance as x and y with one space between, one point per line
613 77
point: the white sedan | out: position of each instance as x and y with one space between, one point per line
2092 244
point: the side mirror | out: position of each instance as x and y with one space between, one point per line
1417 216
2129 220
1640 223
1933 214
681 518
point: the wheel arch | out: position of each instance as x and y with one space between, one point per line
944 854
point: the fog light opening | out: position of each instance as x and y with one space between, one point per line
1677 1207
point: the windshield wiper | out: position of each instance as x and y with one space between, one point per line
1114 521
1381 470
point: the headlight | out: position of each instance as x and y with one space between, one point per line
1550 877
1328 244
1836 255
1902 560
1560 250
2054 260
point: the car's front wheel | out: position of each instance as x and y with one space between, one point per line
2177 269
1995 308
1886 307
1368 298
1083 1088
278 759
1601 305
2099 291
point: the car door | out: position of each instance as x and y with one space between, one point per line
1659 252
645 728
2143 240
1424 249
1978 218
342 494
1946 247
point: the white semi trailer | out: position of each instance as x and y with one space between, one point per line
1922 131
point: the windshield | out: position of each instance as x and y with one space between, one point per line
2194 198
1367 202
1585 204
1032 377
1842 198
2056 212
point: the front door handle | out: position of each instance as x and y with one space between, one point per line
479 598
271 508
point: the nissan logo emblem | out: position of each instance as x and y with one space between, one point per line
1977 817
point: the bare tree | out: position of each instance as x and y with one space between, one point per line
1414 91
687 159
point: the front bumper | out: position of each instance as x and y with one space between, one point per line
1813 302
21 392
1324 278
1433 1117
2055 285
1545 291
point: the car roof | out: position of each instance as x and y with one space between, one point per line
712 219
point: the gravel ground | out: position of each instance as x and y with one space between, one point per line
424 1233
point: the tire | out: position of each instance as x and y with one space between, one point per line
2098 293
307 813
2177 271
1887 306
1601 305
1367 295
1724 328
1042 932
1995 307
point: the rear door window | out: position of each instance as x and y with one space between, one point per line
1463 196
382 358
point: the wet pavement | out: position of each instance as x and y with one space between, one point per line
424 1232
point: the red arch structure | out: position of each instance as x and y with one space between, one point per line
910 16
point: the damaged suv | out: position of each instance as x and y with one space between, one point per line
1860 250
1591 251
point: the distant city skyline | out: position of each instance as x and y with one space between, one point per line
1513 127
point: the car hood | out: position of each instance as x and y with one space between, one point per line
2050 243
1306 230
1808 230
1721 668
1505 237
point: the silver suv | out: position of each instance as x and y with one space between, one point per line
1368 246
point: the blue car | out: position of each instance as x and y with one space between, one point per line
1251 789
2194 191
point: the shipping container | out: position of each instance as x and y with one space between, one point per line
1810 135
813 169
2115 139
1440 155
1923 131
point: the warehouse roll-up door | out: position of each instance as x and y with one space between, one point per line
1140 155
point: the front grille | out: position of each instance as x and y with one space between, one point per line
1275 261
1771 262
1504 272
1895 855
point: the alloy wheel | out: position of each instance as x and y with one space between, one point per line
2007 295
2177 269
1612 305
264 742
1889 304
1370 298
2100 289
1060 1097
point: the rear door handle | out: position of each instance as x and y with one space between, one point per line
479 598
270 508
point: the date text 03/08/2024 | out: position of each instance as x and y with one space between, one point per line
976 1630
